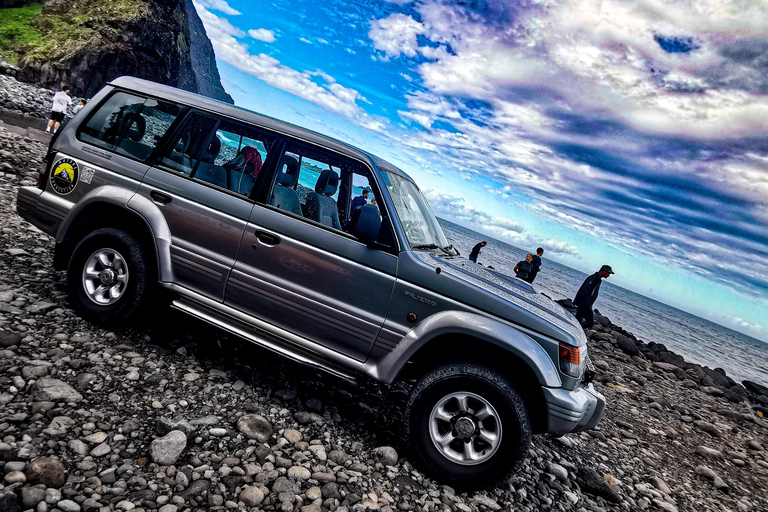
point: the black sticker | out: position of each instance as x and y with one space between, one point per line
64 176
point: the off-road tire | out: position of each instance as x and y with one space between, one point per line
140 287
496 390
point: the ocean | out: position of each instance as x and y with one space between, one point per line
696 339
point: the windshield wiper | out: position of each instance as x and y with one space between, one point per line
450 250
425 246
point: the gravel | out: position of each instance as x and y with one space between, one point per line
100 419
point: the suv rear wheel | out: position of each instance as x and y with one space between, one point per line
468 424
110 276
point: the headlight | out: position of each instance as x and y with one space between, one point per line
571 359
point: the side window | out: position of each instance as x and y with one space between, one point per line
321 186
129 125
243 153
220 152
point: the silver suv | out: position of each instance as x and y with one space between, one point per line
313 249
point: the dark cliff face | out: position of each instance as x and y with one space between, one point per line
87 43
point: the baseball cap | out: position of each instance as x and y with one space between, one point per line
607 268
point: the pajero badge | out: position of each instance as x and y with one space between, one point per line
64 176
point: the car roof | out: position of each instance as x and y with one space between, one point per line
191 99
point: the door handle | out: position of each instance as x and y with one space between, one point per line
159 197
266 238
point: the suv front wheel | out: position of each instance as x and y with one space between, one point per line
110 276
468 424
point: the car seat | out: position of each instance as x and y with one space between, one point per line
321 207
207 170
284 196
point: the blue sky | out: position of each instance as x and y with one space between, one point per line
605 131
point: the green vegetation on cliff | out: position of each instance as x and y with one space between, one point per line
63 27
15 30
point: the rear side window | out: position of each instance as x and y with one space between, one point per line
129 125
220 152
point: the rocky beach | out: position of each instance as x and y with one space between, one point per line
176 416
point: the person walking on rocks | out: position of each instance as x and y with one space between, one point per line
476 251
536 261
61 102
587 295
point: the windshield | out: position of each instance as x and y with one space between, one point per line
416 217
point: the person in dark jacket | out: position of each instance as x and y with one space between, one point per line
536 261
360 200
587 295
524 268
476 251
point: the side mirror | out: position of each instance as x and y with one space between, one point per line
366 223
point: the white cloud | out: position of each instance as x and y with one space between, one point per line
262 34
218 5
396 35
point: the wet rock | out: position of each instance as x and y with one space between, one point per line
166 450
47 471
627 345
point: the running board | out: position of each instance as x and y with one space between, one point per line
201 313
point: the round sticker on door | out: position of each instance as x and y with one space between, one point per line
65 176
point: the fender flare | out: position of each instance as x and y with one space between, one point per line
471 324
136 204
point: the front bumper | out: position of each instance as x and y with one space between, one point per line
573 411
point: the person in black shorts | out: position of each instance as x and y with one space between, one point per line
61 102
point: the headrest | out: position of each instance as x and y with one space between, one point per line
138 127
327 183
289 177
213 150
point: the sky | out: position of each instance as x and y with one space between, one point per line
629 133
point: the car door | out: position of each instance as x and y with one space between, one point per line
300 271
199 185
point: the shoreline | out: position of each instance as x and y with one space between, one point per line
93 406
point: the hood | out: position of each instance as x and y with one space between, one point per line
511 289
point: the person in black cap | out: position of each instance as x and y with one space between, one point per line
587 295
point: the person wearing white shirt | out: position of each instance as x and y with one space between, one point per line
61 102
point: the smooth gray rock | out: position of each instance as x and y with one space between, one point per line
252 496
48 389
166 450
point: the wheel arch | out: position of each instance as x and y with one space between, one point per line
117 208
471 337
451 347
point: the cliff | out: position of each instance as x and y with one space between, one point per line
86 43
